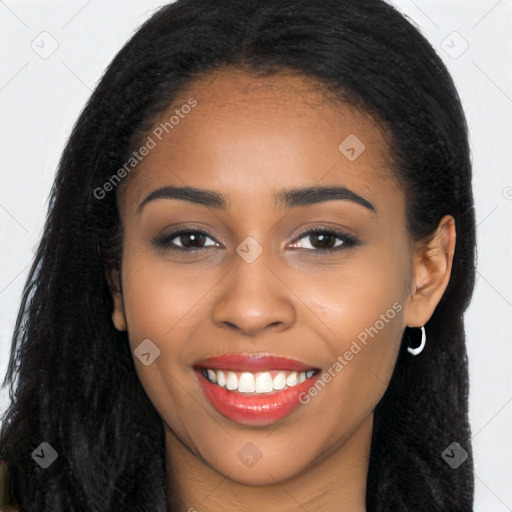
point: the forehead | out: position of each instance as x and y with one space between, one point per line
249 135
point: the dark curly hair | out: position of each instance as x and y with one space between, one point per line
71 373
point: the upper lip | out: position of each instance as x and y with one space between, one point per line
253 363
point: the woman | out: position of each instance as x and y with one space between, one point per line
250 289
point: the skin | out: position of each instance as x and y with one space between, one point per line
247 138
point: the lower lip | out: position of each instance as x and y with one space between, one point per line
255 410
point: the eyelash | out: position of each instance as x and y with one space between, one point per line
164 241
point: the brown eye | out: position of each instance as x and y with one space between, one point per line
326 240
184 240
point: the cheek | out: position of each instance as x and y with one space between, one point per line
353 296
159 298
162 305
360 310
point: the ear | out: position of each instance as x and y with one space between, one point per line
431 273
114 283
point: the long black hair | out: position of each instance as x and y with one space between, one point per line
71 374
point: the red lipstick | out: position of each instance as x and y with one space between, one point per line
270 391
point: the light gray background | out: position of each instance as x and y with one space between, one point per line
40 99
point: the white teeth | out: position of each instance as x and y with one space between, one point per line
231 381
279 381
291 380
264 383
221 380
246 383
261 382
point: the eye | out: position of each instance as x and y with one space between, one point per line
322 240
319 239
188 240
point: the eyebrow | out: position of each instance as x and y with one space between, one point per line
287 198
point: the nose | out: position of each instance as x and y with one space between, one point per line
254 298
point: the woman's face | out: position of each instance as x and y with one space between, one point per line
256 281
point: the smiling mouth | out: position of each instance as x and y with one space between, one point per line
254 374
254 389
256 383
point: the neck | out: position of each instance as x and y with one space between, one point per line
335 481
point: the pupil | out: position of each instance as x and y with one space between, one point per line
323 239
193 237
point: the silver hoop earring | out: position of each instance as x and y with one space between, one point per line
417 350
